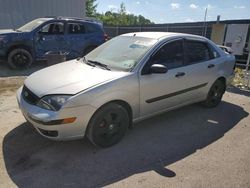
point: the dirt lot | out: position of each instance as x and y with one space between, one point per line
189 147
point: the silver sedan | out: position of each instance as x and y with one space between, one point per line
129 78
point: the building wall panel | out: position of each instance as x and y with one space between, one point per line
14 13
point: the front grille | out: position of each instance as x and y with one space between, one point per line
29 96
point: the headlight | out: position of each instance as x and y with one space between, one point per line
53 102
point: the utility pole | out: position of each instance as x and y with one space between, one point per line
204 24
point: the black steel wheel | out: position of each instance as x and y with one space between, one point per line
108 125
215 94
19 58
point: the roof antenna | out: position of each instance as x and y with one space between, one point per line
134 35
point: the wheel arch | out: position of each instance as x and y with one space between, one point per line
223 80
120 102
22 46
127 107
124 104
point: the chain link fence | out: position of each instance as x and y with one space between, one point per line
202 30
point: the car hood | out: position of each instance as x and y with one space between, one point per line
7 31
69 77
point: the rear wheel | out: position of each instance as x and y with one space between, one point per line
215 94
108 125
19 58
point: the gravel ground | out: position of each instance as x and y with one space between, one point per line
188 147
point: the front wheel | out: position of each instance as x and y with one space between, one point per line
19 58
108 125
215 94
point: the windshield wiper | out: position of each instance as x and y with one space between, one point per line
91 62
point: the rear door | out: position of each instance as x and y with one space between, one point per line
201 65
76 37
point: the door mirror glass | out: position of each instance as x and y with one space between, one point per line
158 69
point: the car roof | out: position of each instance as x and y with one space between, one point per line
86 19
162 35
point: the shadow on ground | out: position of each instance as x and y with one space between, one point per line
239 91
33 161
5 71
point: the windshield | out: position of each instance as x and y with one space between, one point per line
33 24
122 52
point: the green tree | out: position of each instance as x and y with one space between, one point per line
121 17
91 6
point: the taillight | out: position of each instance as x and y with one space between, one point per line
106 37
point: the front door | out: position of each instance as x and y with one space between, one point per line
162 91
50 38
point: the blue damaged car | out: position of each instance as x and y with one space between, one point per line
72 36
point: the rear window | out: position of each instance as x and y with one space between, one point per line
197 52
92 28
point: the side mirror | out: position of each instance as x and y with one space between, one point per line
158 69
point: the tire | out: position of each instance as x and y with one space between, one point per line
19 58
108 125
215 94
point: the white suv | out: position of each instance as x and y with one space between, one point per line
129 78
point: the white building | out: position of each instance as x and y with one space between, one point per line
14 13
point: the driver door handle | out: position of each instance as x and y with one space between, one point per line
180 74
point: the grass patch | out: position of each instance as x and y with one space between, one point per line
241 78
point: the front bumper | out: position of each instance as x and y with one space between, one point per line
37 116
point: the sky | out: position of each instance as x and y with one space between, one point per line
172 11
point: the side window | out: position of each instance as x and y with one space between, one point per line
171 55
197 52
92 28
76 28
56 28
